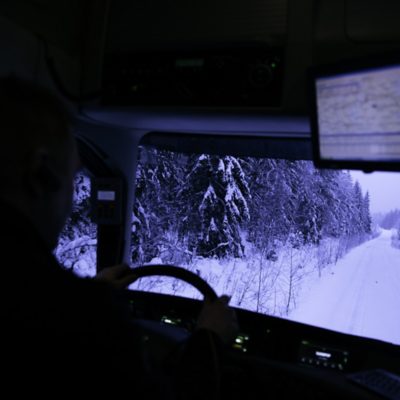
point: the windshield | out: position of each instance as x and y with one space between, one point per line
279 236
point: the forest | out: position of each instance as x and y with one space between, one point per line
258 229
211 206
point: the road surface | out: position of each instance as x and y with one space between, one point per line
360 295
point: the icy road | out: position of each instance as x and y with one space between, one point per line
360 295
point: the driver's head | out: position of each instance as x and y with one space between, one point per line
38 155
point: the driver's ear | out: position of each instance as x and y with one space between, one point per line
41 175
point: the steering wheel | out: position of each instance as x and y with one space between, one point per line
176 272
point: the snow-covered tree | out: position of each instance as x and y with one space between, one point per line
155 208
206 205
271 205
366 214
292 197
307 218
358 202
331 203
77 243
391 220
215 195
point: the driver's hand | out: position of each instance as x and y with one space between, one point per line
119 276
219 318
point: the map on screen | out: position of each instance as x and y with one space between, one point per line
358 115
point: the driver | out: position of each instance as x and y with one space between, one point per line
61 333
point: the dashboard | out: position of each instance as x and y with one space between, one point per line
274 338
309 354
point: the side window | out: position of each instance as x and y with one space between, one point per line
76 248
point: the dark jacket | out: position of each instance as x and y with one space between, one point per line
58 328
74 334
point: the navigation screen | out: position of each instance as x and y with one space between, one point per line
358 115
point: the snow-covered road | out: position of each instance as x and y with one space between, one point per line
360 295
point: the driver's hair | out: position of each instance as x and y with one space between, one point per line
30 117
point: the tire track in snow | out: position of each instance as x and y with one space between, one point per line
361 295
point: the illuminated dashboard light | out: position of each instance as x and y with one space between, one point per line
171 321
323 354
240 342
240 347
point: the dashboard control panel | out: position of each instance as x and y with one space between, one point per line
320 356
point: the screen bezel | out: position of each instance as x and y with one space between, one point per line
341 68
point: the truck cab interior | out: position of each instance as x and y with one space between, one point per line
241 148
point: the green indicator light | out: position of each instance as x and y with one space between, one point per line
273 65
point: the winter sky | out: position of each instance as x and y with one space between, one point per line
383 187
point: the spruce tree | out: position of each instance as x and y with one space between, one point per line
271 205
215 194
78 238
154 212
366 214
